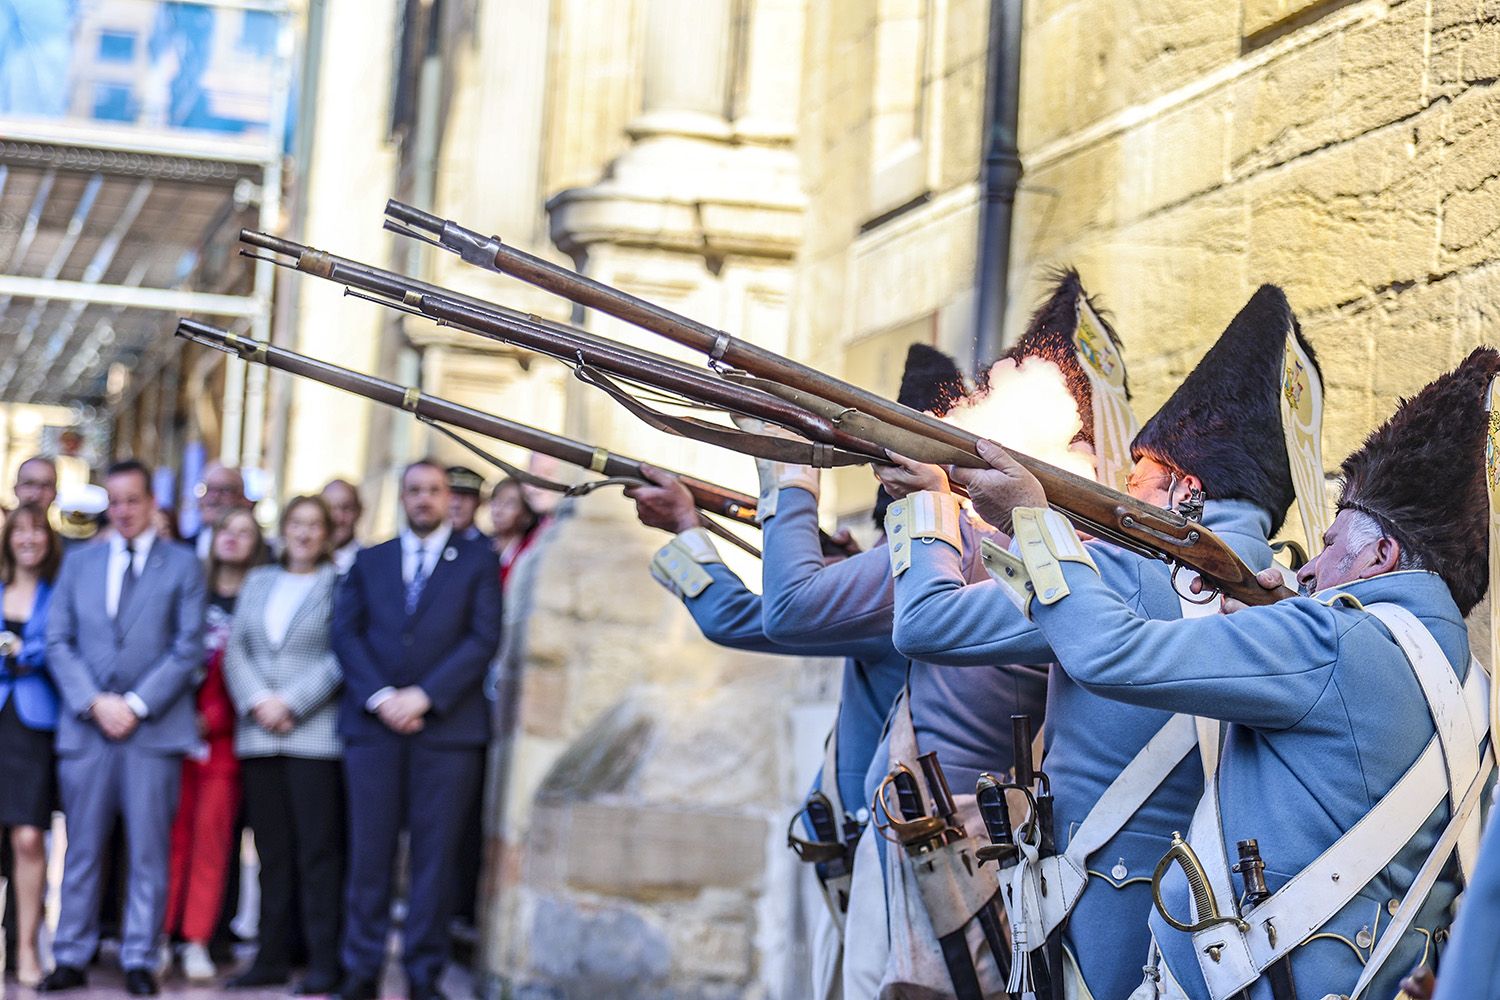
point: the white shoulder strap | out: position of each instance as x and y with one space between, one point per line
1327 885
1133 786
1464 816
1208 729
1461 722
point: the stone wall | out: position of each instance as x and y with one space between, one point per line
804 174
1182 153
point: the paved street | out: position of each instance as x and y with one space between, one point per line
108 983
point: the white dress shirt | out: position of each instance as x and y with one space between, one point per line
428 549
288 593
115 582
343 556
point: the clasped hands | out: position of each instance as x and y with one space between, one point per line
403 711
274 715
113 715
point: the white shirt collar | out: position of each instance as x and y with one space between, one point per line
435 542
141 542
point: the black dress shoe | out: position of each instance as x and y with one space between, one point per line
140 983
64 977
423 991
357 988
317 984
257 976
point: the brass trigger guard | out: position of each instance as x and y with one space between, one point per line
1182 854
1207 597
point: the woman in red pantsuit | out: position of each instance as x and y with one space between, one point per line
203 832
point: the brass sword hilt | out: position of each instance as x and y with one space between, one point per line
1181 853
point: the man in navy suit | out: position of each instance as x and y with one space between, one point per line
415 625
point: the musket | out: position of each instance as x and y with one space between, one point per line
1100 511
708 497
596 359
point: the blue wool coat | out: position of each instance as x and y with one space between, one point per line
728 613
1470 969
964 715
1089 738
34 692
1324 716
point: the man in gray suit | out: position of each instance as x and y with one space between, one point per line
124 640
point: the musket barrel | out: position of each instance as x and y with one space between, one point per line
1096 508
717 499
662 373
413 216
496 322
266 241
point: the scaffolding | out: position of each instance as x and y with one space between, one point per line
136 138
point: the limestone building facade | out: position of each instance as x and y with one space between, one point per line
805 173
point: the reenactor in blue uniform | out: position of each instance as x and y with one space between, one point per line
962 716
1216 448
730 614
1471 962
1353 755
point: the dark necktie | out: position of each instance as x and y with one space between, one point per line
128 581
418 581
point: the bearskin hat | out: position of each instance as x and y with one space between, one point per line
1421 474
931 383
1049 336
1223 424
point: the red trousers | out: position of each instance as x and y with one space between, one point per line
202 849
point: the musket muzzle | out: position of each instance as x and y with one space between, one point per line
414 217
275 244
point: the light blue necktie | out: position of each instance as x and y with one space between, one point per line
418 581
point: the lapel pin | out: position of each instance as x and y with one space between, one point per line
450 554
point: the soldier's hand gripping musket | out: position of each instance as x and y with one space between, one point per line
1099 511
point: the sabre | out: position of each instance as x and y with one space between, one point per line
1049 974
1097 510
924 833
947 810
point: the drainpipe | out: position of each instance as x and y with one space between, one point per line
1002 174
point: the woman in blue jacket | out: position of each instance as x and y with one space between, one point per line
29 557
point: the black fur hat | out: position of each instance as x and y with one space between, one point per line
1421 474
1223 424
932 383
1049 336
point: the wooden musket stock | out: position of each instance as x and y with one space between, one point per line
1096 509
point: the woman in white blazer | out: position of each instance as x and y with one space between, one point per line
283 678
